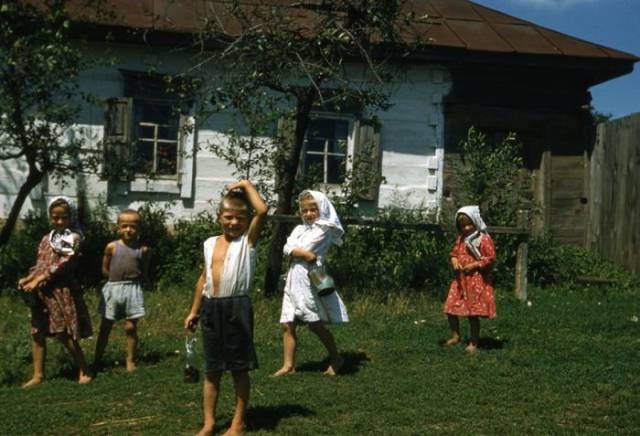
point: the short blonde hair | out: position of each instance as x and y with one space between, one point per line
129 212
235 200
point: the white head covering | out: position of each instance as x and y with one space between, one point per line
328 216
67 241
473 240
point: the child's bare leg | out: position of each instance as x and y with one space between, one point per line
210 391
454 326
131 330
289 349
242 384
103 340
39 353
474 329
74 348
335 360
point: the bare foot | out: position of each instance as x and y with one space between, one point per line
206 430
454 340
131 367
334 367
31 383
233 431
471 348
84 379
284 371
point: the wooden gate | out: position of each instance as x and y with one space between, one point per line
560 190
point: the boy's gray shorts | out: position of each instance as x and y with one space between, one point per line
121 300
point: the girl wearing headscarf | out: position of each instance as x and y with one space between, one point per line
301 304
57 308
471 292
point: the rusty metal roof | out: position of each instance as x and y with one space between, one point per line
468 25
442 24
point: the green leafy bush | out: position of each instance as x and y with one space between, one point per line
186 258
554 264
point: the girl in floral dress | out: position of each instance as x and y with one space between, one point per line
58 309
471 292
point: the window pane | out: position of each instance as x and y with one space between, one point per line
339 146
336 169
168 132
341 129
316 144
145 132
320 127
167 158
143 157
314 167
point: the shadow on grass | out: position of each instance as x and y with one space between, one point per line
108 364
352 362
491 343
485 343
268 417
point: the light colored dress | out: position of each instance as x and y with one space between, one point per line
300 302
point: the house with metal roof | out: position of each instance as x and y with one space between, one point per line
477 67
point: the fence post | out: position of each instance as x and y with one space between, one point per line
522 256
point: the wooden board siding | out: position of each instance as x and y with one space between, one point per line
546 111
614 188
567 218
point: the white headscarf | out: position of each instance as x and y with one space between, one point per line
473 240
328 216
66 242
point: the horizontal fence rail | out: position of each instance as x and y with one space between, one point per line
522 232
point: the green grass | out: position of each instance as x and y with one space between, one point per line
566 364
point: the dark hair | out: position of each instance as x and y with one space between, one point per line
236 200
128 212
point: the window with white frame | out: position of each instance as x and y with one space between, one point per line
327 148
149 137
156 144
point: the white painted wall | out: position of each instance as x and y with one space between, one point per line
411 139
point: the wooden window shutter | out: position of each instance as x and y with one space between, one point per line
367 160
187 135
117 139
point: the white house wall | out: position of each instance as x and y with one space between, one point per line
411 140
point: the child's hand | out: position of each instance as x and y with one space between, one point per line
455 264
21 282
470 267
191 322
237 185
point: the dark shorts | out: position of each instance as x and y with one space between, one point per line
227 334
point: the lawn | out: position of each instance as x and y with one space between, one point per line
567 362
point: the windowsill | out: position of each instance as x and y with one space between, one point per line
164 186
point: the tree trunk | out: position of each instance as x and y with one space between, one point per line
284 190
32 181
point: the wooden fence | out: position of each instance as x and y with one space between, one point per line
521 231
614 193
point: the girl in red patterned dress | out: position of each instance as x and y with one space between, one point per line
59 309
471 292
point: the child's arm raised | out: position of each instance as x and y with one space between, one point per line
259 206
106 259
191 321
